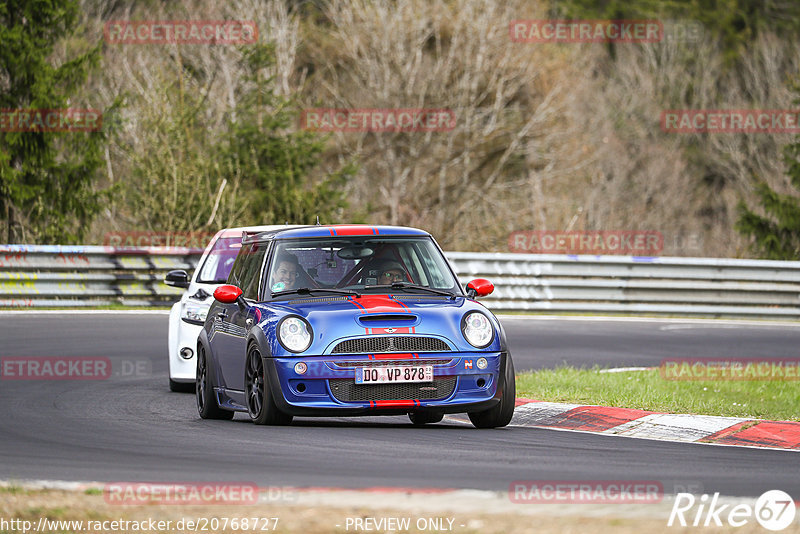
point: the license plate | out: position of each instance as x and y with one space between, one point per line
394 375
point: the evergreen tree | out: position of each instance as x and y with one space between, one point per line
46 178
776 234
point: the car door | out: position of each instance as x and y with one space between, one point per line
225 328
238 319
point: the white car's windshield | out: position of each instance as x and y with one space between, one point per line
219 261
369 265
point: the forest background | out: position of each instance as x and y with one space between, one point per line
561 137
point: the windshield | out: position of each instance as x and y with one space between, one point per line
219 261
364 265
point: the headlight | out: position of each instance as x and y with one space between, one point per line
195 312
294 334
477 329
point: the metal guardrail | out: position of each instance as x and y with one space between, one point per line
66 276
77 276
636 285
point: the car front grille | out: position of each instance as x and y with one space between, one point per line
384 344
346 390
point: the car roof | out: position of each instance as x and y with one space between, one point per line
237 231
346 230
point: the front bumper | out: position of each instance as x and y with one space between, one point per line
181 369
328 386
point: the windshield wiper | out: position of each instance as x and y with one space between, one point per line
310 290
407 285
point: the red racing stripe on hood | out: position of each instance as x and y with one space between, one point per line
379 304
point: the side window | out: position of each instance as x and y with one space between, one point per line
433 269
252 270
220 258
235 276
415 265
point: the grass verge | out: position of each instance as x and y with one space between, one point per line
647 390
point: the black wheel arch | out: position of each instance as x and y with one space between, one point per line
502 336
257 337
211 360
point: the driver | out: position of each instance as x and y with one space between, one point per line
390 271
284 275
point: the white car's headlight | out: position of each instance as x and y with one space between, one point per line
477 329
195 312
294 334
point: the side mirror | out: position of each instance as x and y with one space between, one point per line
480 287
227 294
177 278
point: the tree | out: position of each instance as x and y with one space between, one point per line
271 161
46 178
736 23
776 234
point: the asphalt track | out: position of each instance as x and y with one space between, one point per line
130 428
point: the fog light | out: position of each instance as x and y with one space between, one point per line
300 368
187 353
482 363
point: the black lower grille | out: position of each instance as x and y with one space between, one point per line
346 390
383 344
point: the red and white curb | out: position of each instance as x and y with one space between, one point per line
661 426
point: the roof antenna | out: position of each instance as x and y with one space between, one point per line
318 224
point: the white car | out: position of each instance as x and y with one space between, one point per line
187 316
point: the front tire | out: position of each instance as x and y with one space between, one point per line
260 405
501 414
181 387
204 391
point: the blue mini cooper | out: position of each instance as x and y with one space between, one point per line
349 320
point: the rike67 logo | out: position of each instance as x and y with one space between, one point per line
774 510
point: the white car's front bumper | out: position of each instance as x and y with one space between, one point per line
182 335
